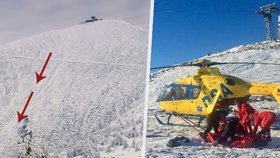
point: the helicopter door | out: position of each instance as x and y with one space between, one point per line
179 98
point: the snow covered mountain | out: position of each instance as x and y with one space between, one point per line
158 135
92 102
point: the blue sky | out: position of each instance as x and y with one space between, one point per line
187 29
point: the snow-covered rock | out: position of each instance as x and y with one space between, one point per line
92 100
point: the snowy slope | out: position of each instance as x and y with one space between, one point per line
158 136
91 103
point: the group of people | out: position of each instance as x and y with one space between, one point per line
236 130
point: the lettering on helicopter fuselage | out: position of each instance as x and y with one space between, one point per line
225 90
213 93
207 100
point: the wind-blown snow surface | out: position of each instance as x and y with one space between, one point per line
91 103
158 136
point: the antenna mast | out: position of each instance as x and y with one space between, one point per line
266 11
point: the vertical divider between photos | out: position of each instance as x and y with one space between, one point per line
149 51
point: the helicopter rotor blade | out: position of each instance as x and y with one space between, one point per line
248 63
207 63
173 66
163 67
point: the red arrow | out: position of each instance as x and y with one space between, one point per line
40 76
21 115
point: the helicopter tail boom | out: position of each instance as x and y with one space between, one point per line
265 89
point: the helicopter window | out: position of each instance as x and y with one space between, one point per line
181 92
230 81
196 91
193 92
167 93
186 92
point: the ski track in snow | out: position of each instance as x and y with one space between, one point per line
158 135
92 102
72 61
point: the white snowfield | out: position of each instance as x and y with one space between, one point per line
92 102
158 135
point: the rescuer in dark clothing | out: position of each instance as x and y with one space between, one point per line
213 119
230 131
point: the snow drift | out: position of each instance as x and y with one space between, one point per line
158 136
91 102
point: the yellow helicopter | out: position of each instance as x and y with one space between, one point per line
198 94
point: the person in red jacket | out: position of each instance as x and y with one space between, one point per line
264 119
244 110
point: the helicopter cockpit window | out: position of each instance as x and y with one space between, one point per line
196 91
179 92
167 94
230 81
193 92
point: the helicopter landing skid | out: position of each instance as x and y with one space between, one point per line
184 118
